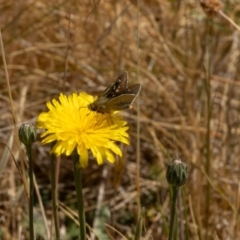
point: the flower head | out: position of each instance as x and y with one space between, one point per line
72 125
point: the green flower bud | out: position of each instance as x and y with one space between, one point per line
27 134
177 173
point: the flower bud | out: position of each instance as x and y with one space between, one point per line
27 134
177 173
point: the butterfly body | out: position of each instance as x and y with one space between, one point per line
116 97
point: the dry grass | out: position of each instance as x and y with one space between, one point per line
178 94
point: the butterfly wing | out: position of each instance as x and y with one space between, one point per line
134 89
120 102
114 89
125 99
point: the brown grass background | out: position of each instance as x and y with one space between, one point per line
189 108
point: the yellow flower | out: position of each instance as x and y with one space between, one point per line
72 125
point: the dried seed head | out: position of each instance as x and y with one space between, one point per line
211 7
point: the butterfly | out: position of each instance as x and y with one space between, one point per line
118 96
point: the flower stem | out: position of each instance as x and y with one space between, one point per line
172 228
78 186
54 196
31 189
138 233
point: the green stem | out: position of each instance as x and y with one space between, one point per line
172 227
31 190
78 186
54 196
138 233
